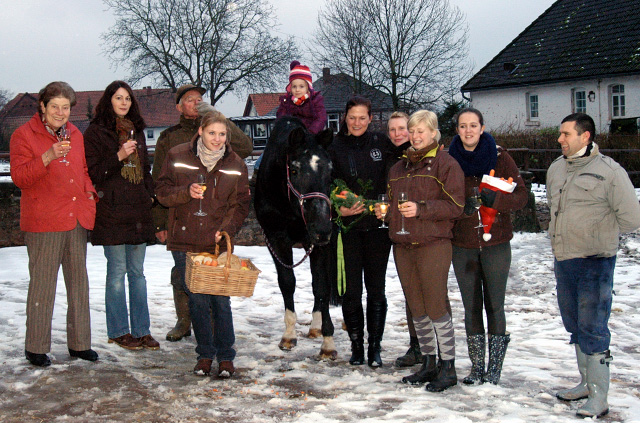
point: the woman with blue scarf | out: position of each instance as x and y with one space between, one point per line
482 266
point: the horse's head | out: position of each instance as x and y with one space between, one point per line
310 180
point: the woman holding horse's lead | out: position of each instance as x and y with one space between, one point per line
361 158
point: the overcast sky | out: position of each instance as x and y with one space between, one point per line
47 40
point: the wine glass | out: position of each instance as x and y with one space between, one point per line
383 202
477 202
129 163
65 141
203 184
403 197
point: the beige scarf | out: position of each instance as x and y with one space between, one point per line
209 158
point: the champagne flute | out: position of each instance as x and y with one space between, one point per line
65 141
477 202
203 185
403 197
384 207
129 163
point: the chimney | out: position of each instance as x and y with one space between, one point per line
326 73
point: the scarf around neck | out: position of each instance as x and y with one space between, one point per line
478 162
299 101
132 168
414 156
209 158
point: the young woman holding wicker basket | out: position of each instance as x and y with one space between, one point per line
206 187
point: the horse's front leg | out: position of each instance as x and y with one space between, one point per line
320 281
287 284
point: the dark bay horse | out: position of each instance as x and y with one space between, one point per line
292 206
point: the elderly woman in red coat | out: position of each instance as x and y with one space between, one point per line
57 207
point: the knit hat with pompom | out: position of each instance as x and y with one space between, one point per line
299 71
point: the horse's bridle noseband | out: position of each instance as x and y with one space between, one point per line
302 197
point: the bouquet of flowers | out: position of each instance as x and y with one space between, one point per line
342 196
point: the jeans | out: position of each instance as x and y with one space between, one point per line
126 259
206 310
584 288
179 265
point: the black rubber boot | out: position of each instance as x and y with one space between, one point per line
427 373
413 355
446 376
376 317
354 321
476 346
357 348
497 350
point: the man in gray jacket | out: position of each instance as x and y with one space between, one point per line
592 202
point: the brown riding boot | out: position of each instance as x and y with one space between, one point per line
183 325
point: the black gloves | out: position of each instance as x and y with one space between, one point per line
488 197
470 206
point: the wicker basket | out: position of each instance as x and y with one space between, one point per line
218 280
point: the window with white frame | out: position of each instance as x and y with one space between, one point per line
617 101
149 133
579 100
532 107
333 122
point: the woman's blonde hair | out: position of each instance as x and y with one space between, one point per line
427 117
212 117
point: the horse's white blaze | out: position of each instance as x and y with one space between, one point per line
314 162
316 320
328 344
290 319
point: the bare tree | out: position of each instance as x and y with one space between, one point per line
222 45
5 97
5 132
414 51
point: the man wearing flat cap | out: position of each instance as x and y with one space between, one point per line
188 97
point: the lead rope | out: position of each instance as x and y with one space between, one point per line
273 253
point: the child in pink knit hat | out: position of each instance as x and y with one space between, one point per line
302 101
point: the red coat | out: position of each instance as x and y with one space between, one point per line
54 198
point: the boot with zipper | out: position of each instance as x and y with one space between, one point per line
598 385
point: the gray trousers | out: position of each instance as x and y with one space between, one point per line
47 251
482 277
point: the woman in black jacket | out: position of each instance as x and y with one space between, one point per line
119 167
361 158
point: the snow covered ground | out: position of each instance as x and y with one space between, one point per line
275 386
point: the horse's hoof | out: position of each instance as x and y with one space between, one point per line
287 344
315 333
328 355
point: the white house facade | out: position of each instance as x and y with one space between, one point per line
543 106
578 56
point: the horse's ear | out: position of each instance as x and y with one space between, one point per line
296 138
325 138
